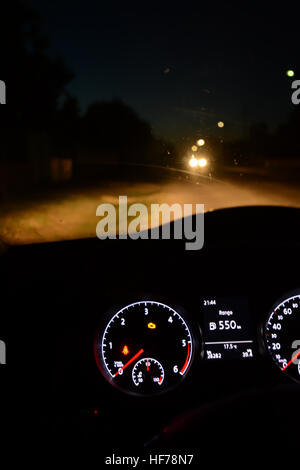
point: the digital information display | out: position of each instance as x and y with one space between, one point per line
227 331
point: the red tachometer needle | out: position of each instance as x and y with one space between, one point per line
291 361
130 361
147 365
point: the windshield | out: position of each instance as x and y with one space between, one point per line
165 104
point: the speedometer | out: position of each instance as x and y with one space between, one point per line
282 335
144 348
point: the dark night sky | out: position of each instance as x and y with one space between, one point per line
226 63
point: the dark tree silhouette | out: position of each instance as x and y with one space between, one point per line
113 130
34 127
65 132
259 140
34 80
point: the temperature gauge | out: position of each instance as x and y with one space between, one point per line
148 374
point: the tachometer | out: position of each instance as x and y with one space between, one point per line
145 348
282 335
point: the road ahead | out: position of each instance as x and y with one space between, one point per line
70 212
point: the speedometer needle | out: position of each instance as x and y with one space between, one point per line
291 361
130 361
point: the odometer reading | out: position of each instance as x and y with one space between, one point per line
282 336
145 348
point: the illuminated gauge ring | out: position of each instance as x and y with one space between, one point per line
148 370
282 335
145 329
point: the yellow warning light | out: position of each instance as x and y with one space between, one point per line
152 326
125 350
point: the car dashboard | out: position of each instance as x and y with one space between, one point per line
210 314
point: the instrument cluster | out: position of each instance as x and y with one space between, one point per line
148 347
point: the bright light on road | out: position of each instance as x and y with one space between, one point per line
200 142
220 124
202 162
194 148
193 162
